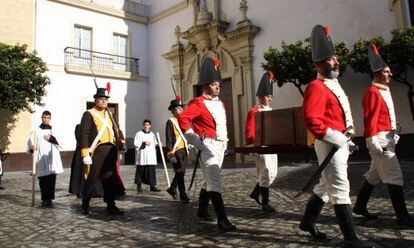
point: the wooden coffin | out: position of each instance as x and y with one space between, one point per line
281 127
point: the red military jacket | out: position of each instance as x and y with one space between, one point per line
321 109
376 113
198 115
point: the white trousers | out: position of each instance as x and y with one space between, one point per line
385 167
266 165
211 160
333 184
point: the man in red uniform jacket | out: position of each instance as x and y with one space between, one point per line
327 114
266 164
207 114
380 132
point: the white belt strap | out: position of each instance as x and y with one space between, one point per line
180 138
105 124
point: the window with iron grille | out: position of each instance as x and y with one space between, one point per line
120 50
83 41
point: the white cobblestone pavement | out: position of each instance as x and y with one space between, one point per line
156 220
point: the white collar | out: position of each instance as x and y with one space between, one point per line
211 98
333 80
262 106
381 86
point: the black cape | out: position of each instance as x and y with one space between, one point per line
77 172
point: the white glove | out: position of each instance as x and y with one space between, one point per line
396 138
194 139
87 160
335 137
373 145
124 149
173 160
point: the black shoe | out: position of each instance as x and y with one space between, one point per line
205 216
2 187
226 226
114 210
407 221
172 192
255 194
184 199
139 188
313 230
85 209
268 208
154 189
365 213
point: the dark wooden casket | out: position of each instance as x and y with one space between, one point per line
281 127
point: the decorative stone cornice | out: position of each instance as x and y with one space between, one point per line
244 30
205 36
103 10
170 11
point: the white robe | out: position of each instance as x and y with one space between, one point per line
48 159
148 155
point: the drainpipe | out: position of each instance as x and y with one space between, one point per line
405 7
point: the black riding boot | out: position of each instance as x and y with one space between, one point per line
222 221
398 203
181 188
172 189
360 207
203 206
346 223
312 211
255 194
264 192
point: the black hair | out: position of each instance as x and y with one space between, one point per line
46 113
146 121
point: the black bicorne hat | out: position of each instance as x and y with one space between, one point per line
103 92
210 72
266 85
175 103
375 60
321 43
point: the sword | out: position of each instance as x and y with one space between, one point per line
197 162
316 175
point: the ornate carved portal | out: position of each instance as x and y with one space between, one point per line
234 49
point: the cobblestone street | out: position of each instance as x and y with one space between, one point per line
156 220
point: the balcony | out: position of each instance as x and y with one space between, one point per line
81 61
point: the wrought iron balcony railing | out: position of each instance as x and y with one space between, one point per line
85 58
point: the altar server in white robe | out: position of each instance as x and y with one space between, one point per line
48 161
